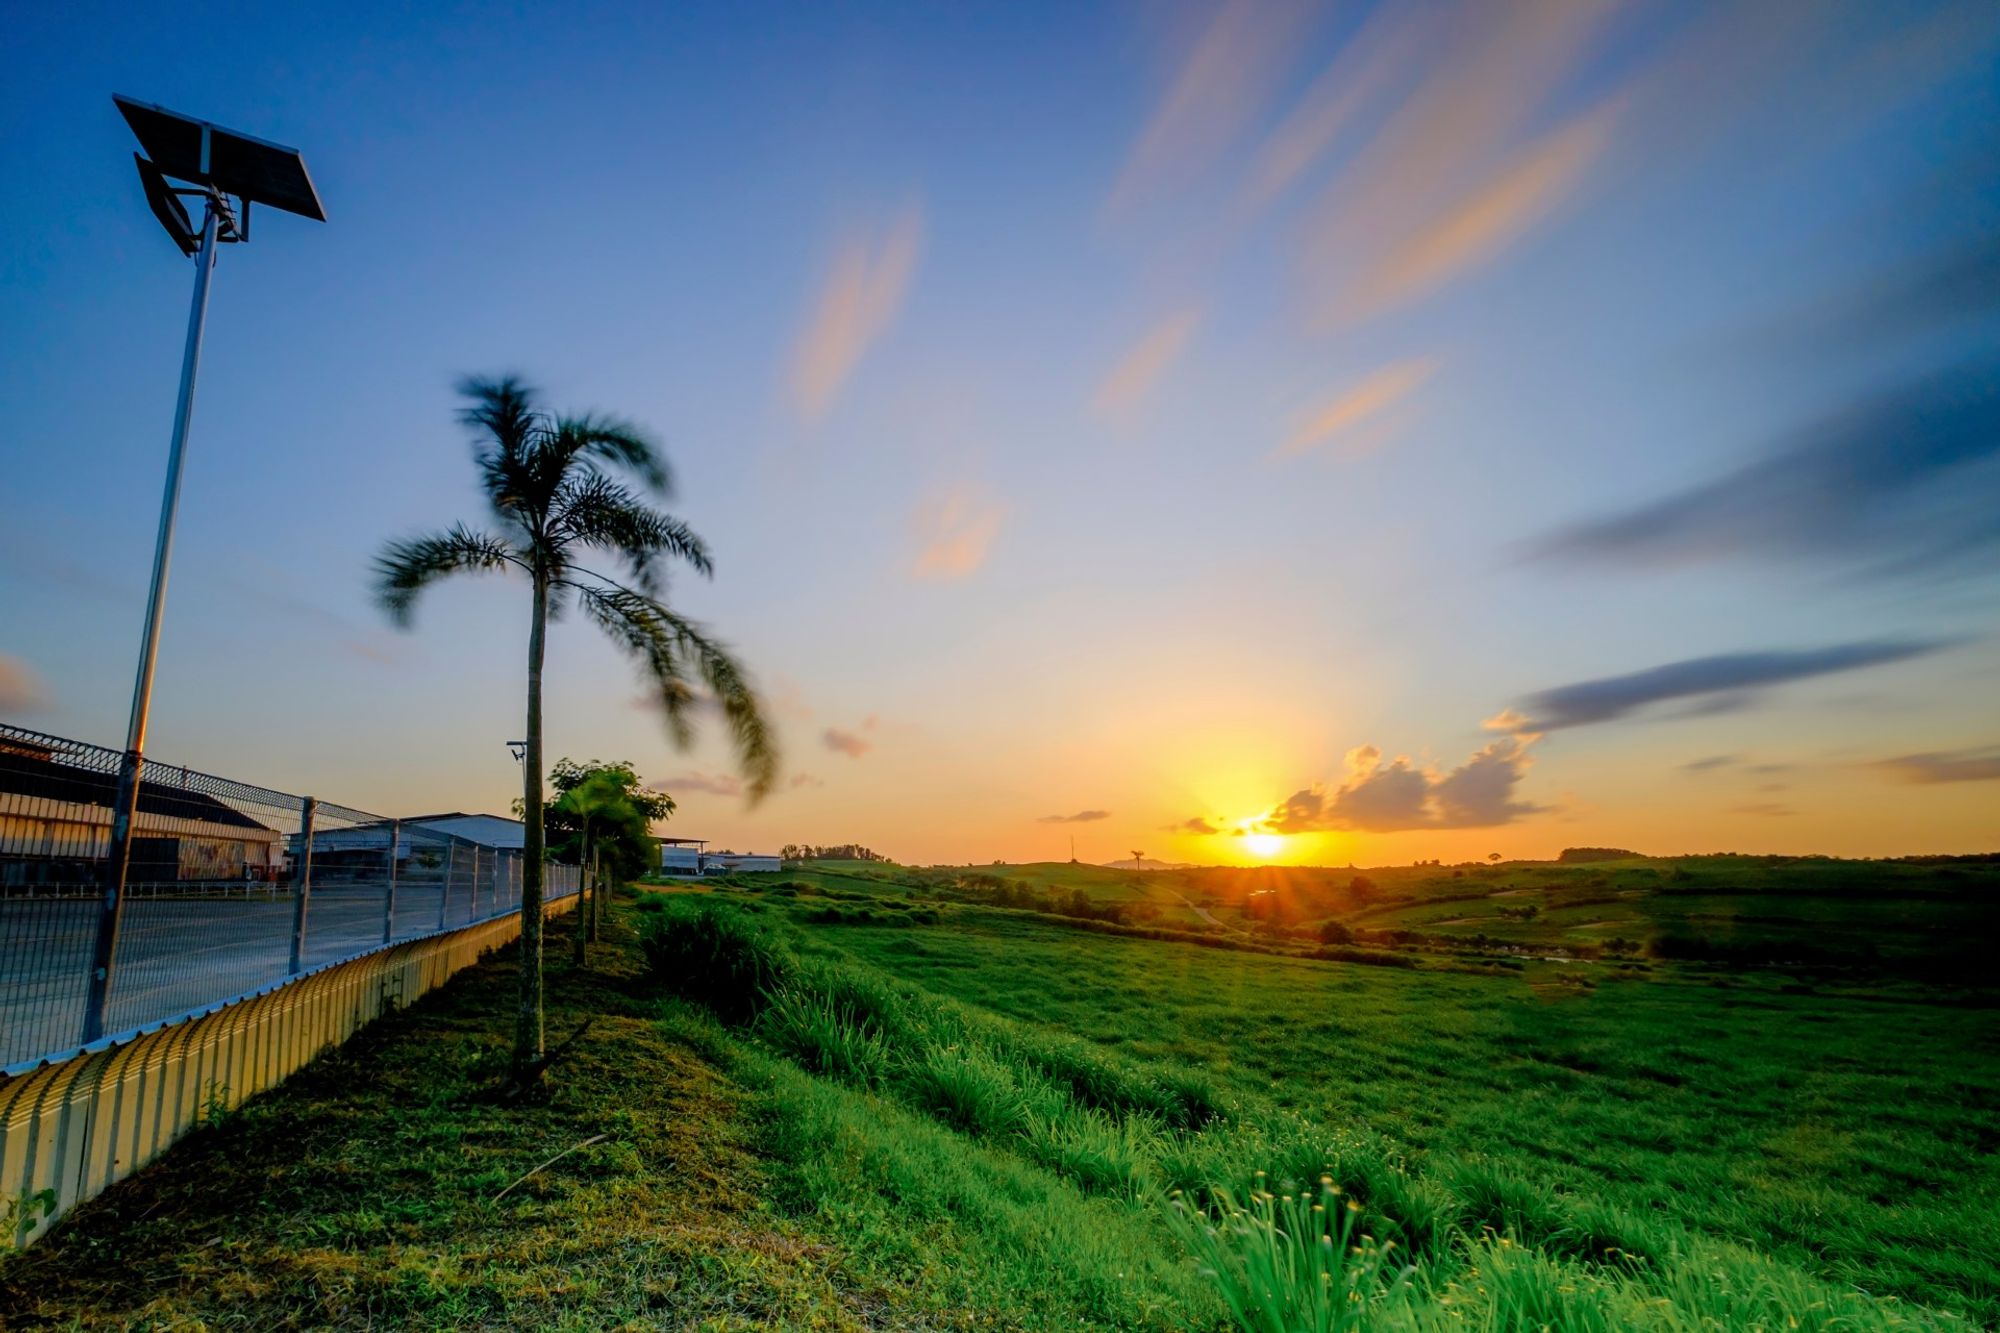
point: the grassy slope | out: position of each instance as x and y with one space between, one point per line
737 1189
1853 1139
360 1194
733 1191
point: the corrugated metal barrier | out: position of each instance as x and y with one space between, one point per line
71 1130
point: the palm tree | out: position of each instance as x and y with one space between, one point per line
1138 860
554 484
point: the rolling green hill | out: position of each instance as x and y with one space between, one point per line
1924 921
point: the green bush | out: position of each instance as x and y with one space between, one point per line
967 1088
824 1037
709 952
1297 1262
1101 1153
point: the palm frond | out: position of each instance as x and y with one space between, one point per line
502 413
600 513
406 568
593 438
671 648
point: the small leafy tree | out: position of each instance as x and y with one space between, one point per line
602 818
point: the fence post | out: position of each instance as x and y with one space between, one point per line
389 898
307 809
444 889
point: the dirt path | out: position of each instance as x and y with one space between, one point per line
1198 910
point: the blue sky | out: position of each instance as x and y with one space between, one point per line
1175 412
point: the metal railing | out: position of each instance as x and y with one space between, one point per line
233 889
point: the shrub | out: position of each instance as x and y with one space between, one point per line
825 1037
1295 1262
1191 1099
709 952
968 1088
1100 1152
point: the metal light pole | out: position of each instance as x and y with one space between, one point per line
105 954
215 163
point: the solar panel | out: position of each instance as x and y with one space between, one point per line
167 207
204 154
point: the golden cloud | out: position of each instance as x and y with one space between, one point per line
1363 402
1490 218
954 531
20 689
1133 378
863 292
1224 82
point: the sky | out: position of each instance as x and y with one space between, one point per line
1318 432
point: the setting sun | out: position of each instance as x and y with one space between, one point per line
1264 845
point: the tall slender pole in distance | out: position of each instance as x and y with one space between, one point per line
104 956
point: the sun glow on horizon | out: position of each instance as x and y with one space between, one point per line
1264 846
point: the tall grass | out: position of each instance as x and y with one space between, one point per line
1295 1262
1378 1243
823 1035
966 1087
712 955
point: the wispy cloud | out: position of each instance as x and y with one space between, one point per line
1125 389
863 293
1358 404
1225 80
1722 683
1400 794
954 531
1902 479
1764 810
798 780
1976 765
1369 66
1080 817
714 784
1479 225
1710 763
1451 176
1198 826
21 691
1908 482
846 742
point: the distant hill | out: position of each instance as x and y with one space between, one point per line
1147 863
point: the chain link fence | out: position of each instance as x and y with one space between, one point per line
232 889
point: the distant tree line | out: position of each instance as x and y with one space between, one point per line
846 851
1576 855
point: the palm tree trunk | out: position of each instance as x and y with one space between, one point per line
584 894
528 1018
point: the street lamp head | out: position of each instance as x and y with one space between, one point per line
519 749
214 162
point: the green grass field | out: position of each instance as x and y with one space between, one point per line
866 1097
1851 1137
1848 1135
1844 923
